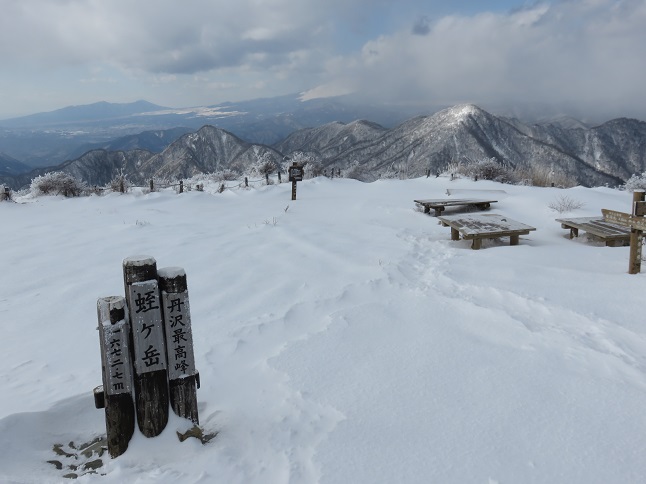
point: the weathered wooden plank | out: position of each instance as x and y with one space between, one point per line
432 203
179 343
485 224
476 227
636 233
640 208
476 191
439 205
151 376
597 227
625 219
116 394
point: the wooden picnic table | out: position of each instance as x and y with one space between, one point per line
597 228
476 227
441 203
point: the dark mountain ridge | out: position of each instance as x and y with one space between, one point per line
10 166
605 154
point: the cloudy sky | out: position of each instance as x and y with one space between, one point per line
587 56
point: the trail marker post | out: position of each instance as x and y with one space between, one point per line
296 173
151 376
637 224
116 393
183 378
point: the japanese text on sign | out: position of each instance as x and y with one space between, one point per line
181 361
295 173
147 327
118 371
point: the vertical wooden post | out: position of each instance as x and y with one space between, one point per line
267 178
151 377
295 173
279 179
116 397
182 375
246 182
152 187
181 186
636 238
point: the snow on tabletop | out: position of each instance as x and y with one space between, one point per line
340 338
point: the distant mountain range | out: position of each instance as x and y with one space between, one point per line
605 154
51 138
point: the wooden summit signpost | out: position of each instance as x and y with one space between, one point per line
146 353
295 173
183 378
116 397
637 224
149 355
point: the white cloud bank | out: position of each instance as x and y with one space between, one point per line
585 55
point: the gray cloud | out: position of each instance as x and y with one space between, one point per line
422 26
585 54
162 35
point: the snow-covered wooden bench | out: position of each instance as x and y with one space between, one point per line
596 228
440 204
474 191
476 227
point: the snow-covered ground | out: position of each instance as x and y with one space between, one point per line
340 338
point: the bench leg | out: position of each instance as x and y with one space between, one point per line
514 239
616 243
455 235
574 233
476 244
427 209
438 211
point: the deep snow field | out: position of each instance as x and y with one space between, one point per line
340 338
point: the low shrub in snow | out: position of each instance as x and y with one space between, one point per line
58 183
225 175
636 182
485 169
489 169
542 176
266 165
564 204
120 183
313 168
